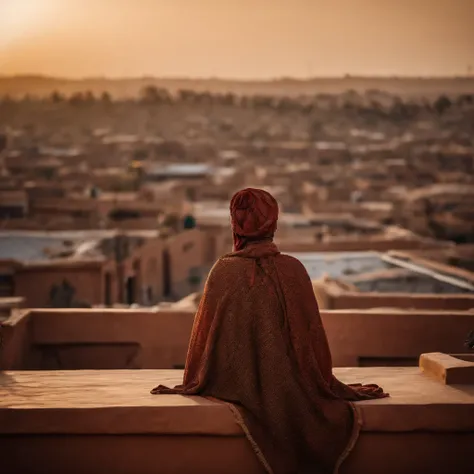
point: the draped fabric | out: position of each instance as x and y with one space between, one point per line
258 343
254 214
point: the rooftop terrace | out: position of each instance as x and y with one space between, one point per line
386 272
85 421
338 264
34 246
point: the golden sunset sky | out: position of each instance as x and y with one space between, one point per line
241 39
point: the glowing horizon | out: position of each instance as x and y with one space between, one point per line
239 40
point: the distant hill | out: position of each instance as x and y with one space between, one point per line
130 87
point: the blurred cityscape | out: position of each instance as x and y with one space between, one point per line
113 209
123 201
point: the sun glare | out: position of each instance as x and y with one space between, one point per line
21 18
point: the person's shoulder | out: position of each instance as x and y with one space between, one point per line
291 263
290 260
225 271
225 264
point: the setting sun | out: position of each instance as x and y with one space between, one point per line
21 18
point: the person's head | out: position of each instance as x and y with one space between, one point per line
254 216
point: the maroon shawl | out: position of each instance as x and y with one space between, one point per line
258 343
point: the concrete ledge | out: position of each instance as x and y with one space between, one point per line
128 454
119 402
107 421
380 337
448 369
374 453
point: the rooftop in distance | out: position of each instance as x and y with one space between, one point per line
373 271
33 246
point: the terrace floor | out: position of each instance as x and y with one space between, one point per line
74 421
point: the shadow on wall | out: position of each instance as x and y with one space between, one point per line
63 296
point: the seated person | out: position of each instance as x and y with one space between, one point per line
258 343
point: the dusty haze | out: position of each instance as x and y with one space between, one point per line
239 39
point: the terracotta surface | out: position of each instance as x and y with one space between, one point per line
359 300
186 251
145 263
128 454
119 402
36 284
447 369
411 453
398 453
357 337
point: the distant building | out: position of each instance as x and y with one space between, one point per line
13 204
188 171
90 268
443 211
362 280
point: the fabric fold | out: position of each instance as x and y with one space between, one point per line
263 349
258 343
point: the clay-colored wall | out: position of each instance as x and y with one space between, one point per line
42 223
62 206
407 453
389 334
151 270
34 284
186 251
142 223
217 242
110 267
433 302
129 454
163 337
16 341
145 264
8 267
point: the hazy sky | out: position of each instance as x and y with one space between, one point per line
236 38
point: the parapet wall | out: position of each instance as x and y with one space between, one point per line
71 421
138 339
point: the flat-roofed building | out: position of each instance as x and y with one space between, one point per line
88 268
390 280
13 204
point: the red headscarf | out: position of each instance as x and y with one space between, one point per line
254 216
